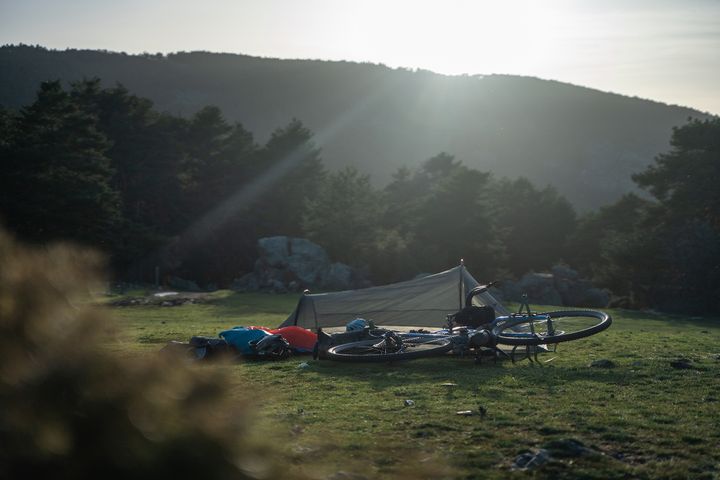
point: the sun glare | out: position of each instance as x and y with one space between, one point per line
452 37
661 50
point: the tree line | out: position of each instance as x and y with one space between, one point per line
584 142
104 167
662 250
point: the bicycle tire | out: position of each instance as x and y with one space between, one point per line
363 350
603 322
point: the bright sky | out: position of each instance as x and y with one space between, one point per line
666 50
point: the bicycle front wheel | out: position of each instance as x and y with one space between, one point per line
552 327
374 351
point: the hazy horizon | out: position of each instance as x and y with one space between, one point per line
660 50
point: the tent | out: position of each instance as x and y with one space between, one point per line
421 302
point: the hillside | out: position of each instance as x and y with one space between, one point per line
583 141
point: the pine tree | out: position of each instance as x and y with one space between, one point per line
292 162
344 216
58 175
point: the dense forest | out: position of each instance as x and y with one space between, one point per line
584 142
103 167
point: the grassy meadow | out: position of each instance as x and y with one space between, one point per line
641 419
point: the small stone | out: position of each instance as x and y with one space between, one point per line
304 365
449 384
530 460
409 403
465 413
346 476
302 450
603 363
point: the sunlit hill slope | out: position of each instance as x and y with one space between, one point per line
585 142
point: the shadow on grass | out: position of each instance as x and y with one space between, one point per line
670 320
463 373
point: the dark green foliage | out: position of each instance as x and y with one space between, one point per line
240 193
345 216
438 214
295 171
57 174
103 167
585 142
664 253
670 266
192 195
445 211
684 180
597 230
535 225
455 219
146 153
253 192
684 225
217 157
7 124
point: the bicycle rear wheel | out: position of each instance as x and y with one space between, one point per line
552 327
373 350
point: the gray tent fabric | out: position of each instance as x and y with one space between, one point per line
422 302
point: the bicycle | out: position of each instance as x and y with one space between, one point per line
523 328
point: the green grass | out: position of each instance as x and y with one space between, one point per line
641 419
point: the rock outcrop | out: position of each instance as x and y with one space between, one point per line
561 286
289 264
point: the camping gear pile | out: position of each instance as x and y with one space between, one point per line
249 342
421 302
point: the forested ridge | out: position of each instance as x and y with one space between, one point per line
105 168
584 142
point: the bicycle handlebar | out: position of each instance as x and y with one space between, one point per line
480 289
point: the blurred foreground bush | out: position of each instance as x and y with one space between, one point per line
71 409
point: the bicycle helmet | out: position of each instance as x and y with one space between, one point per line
273 347
357 324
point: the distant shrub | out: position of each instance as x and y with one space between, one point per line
70 408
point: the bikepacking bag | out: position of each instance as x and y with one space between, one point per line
271 347
208 348
240 338
301 340
325 341
474 317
